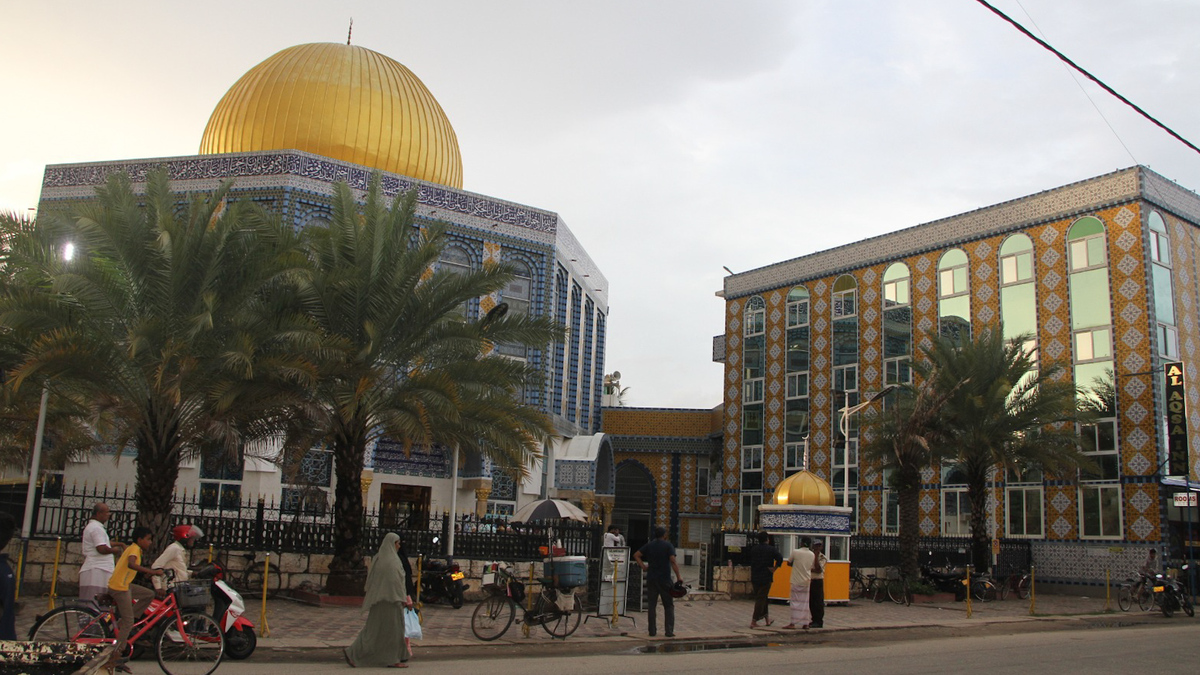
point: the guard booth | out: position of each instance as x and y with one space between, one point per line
803 506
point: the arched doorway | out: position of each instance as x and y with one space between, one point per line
633 507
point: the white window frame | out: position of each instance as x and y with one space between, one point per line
793 457
752 390
890 524
756 317
703 477
748 503
963 525
1101 487
1025 489
843 300
793 313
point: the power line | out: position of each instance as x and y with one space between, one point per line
1088 75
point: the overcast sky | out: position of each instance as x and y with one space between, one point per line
672 137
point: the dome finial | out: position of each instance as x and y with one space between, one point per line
350 31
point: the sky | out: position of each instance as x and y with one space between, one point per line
674 138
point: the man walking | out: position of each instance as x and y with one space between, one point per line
98 553
659 560
764 560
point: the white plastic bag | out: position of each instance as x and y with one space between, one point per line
412 624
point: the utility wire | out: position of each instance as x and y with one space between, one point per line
1088 75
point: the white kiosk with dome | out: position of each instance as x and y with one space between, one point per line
804 506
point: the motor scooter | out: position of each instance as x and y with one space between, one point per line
441 580
1171 595
228 609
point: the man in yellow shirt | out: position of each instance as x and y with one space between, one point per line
124 591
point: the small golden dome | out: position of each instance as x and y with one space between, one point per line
804 488
339 101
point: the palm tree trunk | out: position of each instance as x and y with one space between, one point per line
908 493
981 541
155 489
347 571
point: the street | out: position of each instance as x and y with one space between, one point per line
1167 647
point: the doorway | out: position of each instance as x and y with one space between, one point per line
633 503
404 506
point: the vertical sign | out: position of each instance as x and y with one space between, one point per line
1177 435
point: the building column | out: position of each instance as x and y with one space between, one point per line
481 500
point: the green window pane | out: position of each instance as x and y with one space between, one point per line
1018 310
1164 301
1090 299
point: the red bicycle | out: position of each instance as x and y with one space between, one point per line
186 641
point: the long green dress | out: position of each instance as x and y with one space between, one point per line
381 640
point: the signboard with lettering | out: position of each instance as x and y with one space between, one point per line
1184 498
1177 434
420 460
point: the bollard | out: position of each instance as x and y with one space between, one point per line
262 617
419 604
616 574
967 581
20 568
54 579
1107 590
1032 591
210 554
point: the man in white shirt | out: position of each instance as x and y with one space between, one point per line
613 538
176 555
98 553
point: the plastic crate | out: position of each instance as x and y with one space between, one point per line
567 571
191 594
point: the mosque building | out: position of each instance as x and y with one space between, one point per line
315 114
1103 273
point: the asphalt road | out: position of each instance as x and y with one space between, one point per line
1094 647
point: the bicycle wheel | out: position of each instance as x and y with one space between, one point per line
983 589
897 590
252 581
196 651
878 590
72 624
1145 598
1186 601
1023 587
1124 597
492 617
560 624
1003 588
857 589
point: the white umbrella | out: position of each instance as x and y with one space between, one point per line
549 509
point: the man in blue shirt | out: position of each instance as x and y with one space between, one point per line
657 559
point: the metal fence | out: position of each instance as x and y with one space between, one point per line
259 525
1016 555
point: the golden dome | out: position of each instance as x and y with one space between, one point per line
338 101
804 488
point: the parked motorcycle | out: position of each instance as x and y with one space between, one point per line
946 579
1171 595
228 608
441 580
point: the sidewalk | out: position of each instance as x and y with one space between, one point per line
294 626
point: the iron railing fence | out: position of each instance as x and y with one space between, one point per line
260 525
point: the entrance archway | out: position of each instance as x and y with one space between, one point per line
633 503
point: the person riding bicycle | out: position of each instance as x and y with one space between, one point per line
176 555
125 592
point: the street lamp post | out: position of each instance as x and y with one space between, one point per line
35 465
846 412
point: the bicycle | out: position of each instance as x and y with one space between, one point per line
1125 594
1014 583
249 581
895 587
185 642
555 610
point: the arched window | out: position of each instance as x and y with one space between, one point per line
954 295
1018 298
897 325
845 386
1091 333
1164 297
517 295
754 365
797 412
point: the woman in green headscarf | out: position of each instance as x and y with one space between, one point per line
389 591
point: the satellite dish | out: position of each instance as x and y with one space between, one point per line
616 375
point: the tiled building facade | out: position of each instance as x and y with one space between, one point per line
667 472
1103 272
555 277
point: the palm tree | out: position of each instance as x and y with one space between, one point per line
902 439
400 361
164 324
66 433
1009 412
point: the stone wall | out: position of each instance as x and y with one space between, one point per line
733 580
297 570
